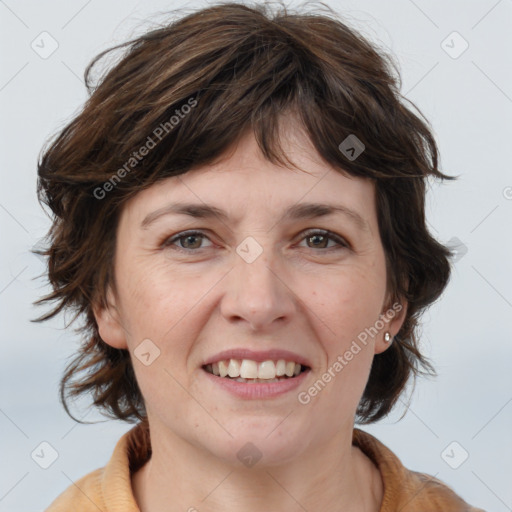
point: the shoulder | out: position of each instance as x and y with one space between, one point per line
109 488
84 495
428 491
404 489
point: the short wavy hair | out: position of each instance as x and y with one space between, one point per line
238 68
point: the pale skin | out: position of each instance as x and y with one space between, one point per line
304 293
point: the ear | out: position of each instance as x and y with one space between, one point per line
109 322
393 317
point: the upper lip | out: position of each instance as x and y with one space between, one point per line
258 356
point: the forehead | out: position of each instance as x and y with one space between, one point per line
242 182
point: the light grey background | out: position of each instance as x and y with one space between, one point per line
468 100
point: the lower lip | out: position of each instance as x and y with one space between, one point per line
257 390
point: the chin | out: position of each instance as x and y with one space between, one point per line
261 441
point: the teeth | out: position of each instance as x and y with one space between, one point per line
280 368
267 371
223 368
234 368
256 381
249 369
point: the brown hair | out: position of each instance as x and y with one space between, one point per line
237 68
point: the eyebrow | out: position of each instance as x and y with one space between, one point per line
295 212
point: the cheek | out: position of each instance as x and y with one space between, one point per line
155 297
349 304
170 308
350 301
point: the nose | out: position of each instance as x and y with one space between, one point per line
258 293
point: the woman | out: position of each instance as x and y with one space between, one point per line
239 218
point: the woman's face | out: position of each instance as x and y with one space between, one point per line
257 277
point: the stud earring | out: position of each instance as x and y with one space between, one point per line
387 337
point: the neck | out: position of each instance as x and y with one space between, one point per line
331 477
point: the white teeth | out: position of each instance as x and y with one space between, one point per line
267 370
234 368
256 381
290 368
280 368
247 370
223 368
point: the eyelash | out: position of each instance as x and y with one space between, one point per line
343 244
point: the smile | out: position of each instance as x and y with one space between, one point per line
247 370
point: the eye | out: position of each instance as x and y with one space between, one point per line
189 240
319 239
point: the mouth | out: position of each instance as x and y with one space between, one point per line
254 372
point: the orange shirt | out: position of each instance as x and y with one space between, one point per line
109 489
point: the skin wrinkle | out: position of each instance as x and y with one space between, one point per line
193 306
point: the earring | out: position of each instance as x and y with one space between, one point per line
387 337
